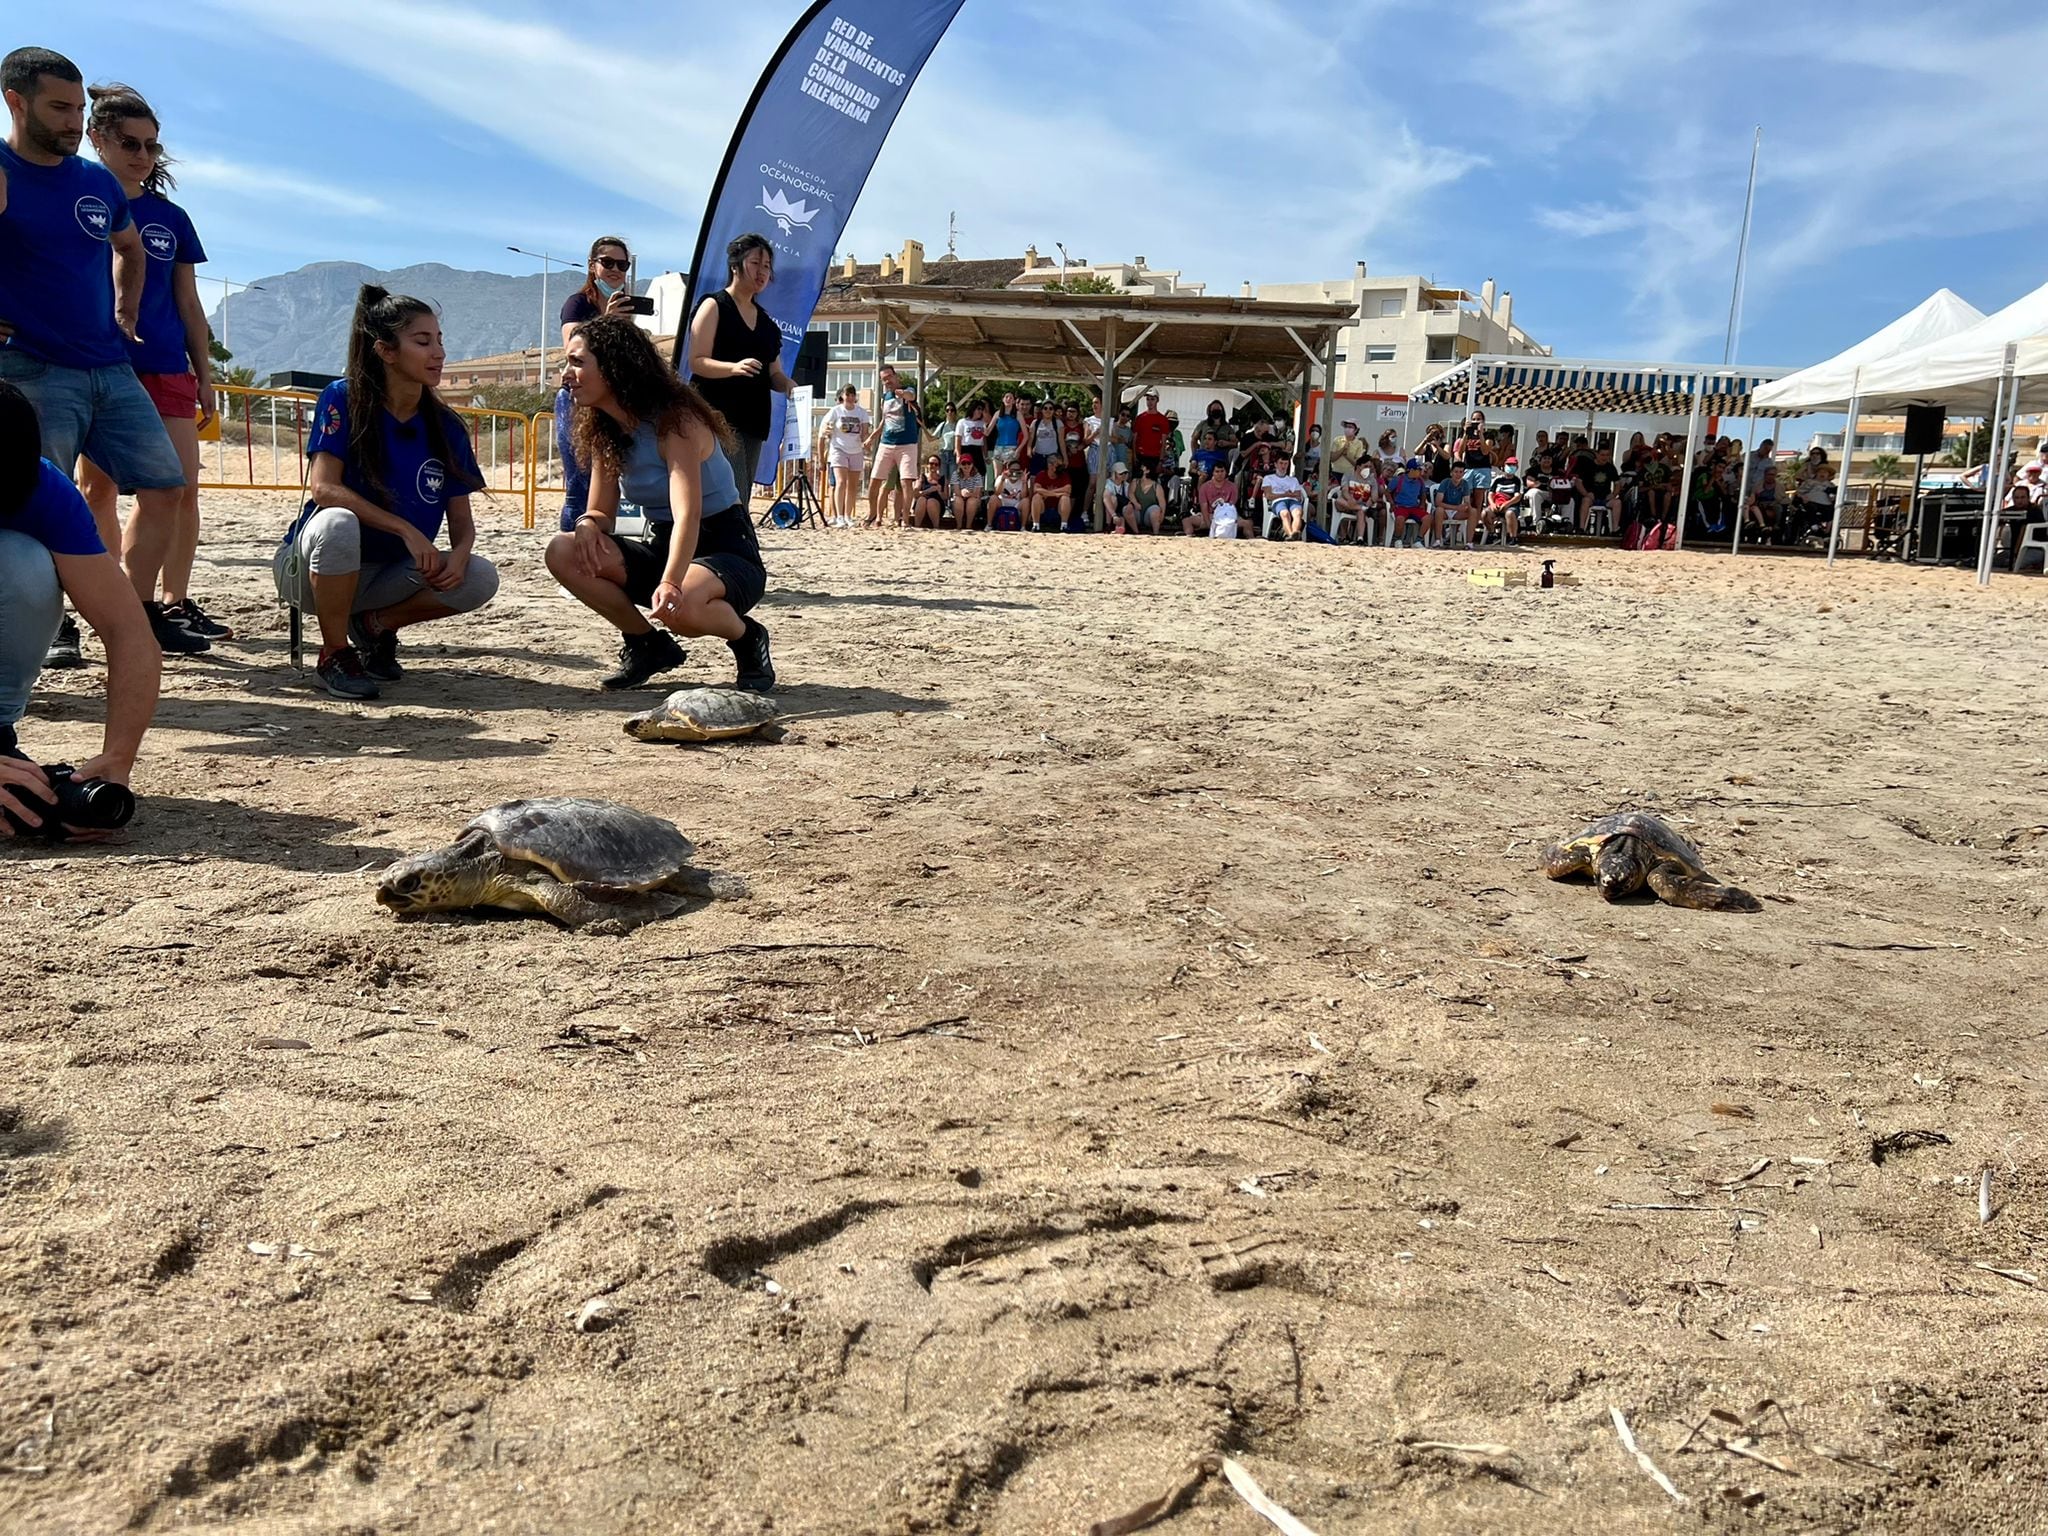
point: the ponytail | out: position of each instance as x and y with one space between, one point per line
381 316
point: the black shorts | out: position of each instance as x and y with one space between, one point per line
646 558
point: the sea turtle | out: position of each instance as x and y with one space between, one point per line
707 714
1631 848
582 862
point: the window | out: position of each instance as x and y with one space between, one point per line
1442 349
1390 307
1340 356
1380 354
849 341
836 379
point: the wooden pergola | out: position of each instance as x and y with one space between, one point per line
1114 338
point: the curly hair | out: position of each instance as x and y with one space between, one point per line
646 388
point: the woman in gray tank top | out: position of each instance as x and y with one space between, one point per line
647 434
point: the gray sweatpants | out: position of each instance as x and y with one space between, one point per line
331 544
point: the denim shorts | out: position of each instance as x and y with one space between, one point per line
103 413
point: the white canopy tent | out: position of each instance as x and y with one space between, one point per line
1837 383
1974 371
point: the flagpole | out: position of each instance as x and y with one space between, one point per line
1742 255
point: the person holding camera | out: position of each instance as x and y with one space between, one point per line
736 355
391 465
651 437
50 549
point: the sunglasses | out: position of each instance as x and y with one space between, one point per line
613 263
135 146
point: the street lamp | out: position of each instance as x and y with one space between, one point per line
225 284
545 261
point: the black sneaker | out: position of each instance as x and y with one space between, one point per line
196 619
343 675
173 638
64 652
641 656
750 651
378 649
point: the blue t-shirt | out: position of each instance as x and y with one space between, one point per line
167 239
56 516
56 274
1009 431
419 485
900 423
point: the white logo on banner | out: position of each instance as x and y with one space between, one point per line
788 216
433 478
94 217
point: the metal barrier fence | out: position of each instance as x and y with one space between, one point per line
258 443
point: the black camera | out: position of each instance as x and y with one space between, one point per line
84 805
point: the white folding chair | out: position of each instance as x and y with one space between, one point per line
2036 537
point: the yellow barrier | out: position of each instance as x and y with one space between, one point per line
235 462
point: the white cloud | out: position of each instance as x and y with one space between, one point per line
648 118
270 184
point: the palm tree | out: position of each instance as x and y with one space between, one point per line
1885 466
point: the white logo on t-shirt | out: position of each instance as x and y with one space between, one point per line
433 478
159 242
95 217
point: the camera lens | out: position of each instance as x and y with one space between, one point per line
97 804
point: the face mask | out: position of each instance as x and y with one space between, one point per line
608 289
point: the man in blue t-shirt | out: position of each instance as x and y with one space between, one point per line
68 314
50 550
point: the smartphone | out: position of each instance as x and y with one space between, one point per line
643 303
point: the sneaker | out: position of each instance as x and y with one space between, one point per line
173 638
198 620
377 648
342 674
641 656
64 652
750 652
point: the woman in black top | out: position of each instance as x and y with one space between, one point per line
607 290
736 353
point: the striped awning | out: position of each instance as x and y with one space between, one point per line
1544 384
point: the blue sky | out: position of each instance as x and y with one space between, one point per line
1589 155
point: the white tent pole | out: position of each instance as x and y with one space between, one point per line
1748 448
1994 468
1471 387
1692 448
1848 458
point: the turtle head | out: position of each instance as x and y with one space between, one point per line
442 881
640 726
1623 865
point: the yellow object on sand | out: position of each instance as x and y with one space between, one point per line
1500 576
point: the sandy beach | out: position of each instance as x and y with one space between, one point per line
1149 1034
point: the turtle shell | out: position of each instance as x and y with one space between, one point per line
588 842
710 712
1656 833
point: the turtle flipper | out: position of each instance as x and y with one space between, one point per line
1681 887
1563 860
597 909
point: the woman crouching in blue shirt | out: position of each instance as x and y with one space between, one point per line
647 434
390 465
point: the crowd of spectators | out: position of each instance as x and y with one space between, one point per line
1014 464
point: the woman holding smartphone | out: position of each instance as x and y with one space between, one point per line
607 290
736 354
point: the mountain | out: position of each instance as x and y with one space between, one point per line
301 319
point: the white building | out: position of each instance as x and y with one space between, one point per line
1408 329
1137 276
